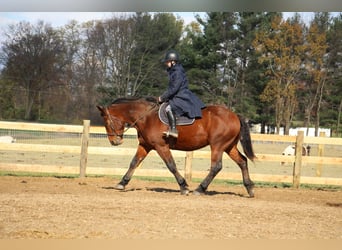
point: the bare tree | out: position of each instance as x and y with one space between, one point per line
119 44
33 56
103 61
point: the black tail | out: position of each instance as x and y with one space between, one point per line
245 139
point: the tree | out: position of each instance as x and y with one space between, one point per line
7 103
235 58
248 102
189 47
316 68
332 115
114 48
72 34
249 85
153 36
221 61
132 48
282 48
210 64
33 56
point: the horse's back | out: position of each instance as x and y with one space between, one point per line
218 125
220 114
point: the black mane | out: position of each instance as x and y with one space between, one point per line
150 99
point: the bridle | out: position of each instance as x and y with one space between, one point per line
131 125
111 124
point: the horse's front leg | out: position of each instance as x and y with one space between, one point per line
166 155
216 166
137 159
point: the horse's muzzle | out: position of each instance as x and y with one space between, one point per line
118 141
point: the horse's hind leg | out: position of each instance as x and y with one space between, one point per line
241 160
137 159
216 166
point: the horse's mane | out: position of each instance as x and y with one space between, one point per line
150 99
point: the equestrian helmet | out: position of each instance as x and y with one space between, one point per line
171 55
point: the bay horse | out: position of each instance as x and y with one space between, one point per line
219 127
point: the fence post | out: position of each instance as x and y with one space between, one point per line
320 154
188 166
298 159
84 148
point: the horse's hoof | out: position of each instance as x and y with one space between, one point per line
198 193
251 193
185 192
119 187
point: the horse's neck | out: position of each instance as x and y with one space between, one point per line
132 113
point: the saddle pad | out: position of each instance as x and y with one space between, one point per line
181 120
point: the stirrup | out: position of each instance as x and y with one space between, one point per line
171 133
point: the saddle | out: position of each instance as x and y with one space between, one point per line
181 120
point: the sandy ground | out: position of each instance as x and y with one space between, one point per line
68 208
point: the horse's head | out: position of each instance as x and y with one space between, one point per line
114 126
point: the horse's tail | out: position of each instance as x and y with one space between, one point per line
245 139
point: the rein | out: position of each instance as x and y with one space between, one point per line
140 117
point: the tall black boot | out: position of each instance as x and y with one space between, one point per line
172 125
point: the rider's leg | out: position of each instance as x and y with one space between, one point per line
172 122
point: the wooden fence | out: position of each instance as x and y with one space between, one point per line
84 150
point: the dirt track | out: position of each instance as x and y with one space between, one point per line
40 207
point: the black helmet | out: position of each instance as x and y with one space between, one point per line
171 55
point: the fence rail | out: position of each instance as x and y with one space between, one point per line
84 150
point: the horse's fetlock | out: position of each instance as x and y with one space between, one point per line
248 184
250 188
183 184
200 189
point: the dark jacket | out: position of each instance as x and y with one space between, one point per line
181 99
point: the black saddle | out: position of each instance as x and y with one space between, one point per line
181 120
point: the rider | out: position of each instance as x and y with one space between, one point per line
181 101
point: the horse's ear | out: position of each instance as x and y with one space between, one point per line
99 108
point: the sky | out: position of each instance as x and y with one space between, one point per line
58 19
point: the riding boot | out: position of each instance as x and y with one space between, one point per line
172 125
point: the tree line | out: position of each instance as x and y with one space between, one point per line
277 72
